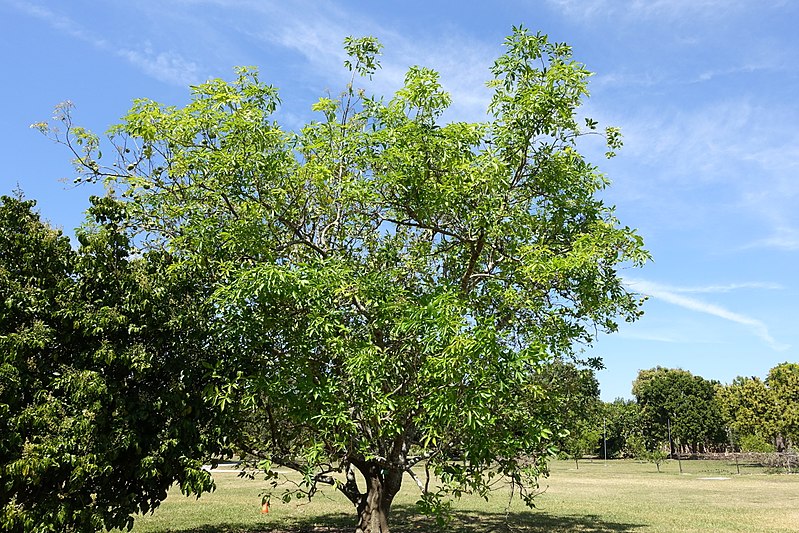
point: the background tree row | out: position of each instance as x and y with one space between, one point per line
676 411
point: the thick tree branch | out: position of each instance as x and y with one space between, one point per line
418 482
477 249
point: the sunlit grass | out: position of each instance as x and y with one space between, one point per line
617 496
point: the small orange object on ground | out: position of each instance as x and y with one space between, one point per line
265 507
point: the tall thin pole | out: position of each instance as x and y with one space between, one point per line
605 438
671 446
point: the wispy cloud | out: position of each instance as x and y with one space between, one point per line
317 34
675 296
587 9
167 66
313 30
626 79
783 238
721 288
58 22
743 153
639 334
711 74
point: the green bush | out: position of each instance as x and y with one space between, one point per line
755 443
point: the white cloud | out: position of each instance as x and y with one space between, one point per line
635 9
167 66
639 334
61 23
783 238
722 288
674 297
625 79
317 34
695 166
314 30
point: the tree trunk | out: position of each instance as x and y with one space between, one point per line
374 507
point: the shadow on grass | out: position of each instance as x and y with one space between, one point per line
405 519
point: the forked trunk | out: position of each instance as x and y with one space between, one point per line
374 507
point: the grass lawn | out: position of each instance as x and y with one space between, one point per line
622 496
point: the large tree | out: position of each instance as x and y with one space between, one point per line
783 381
748 409
101 404
390 280
758 411
672 400
573 394
621 427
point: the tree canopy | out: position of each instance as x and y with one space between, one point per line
686 403
101 403
573 394
783 380
763 414
622 428
387 282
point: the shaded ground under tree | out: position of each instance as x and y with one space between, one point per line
407 519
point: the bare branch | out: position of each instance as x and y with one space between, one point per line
417 480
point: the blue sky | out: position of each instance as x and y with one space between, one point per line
705 92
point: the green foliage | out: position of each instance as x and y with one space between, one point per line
647 450
747 407
783 380
686 402
364 52
583 439
98 376
389 284
763 411
653 453
573 398
622 421
755 443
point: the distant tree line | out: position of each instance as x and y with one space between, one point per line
675 411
